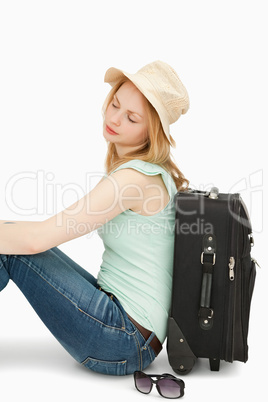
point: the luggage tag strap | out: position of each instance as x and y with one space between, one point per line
208 260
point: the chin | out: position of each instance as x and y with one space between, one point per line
108 138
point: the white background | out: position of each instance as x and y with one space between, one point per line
53 56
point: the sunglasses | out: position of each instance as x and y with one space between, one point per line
167 385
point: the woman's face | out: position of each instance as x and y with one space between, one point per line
125 120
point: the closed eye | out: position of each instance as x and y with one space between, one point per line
132 121
117 107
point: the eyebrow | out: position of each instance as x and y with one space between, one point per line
129 111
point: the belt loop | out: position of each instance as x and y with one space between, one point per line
149 340
107 293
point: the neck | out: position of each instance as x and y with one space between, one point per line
123 150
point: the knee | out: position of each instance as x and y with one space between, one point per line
4 276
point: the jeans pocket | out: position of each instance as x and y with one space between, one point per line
106 367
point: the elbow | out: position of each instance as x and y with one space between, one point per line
35 240
33 247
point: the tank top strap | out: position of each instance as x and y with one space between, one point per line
151 169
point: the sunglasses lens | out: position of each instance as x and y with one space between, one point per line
143 383
169 388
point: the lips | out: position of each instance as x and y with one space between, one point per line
110 131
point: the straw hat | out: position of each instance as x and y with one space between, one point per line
160 84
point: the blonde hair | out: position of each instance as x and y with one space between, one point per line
156 148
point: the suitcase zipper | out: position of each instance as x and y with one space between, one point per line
231 296
255 262
231 268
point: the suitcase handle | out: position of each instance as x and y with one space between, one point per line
208 259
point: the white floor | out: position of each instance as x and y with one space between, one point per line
33 366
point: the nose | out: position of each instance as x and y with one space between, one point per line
116 118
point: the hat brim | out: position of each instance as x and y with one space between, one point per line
113 75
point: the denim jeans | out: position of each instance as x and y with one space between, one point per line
90 325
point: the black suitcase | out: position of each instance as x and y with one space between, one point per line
213 280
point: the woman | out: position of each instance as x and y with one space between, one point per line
115 324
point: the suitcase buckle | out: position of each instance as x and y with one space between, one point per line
211 313
206 313
213 260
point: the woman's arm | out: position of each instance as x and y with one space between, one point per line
109 198
17 237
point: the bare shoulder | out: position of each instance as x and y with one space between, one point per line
149 193
130 183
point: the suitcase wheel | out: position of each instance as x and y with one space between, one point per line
182 371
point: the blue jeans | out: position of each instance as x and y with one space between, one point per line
90 325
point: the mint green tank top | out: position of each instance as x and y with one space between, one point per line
137 262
